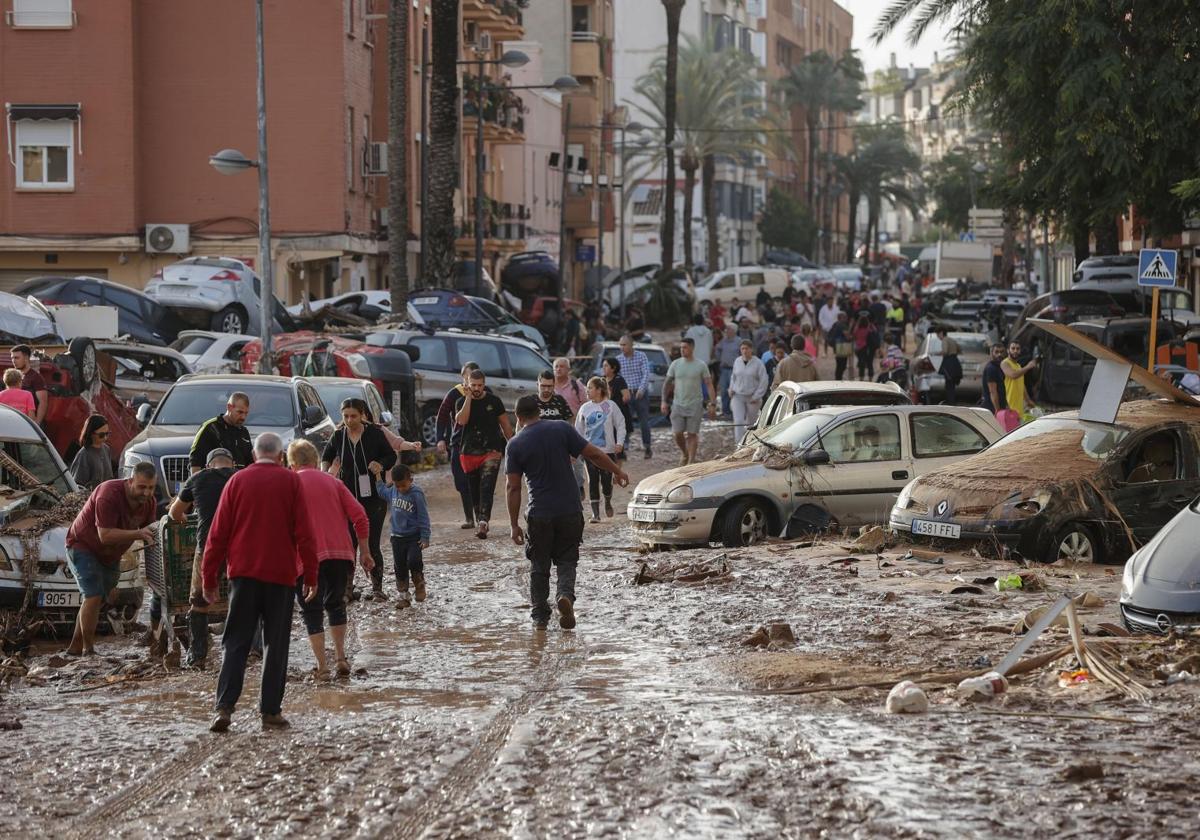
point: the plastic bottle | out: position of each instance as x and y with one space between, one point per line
1007 582
989 685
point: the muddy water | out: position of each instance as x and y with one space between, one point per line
646 721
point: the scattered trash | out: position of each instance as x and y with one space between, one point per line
1009 582
989 685
1106 629
1032 581
777 636
1068 679
984 581
1180 676
871 538
1083 773
888 597
1088 601
10 725
982 662
715 570
922 557
759 638
966 590
906 698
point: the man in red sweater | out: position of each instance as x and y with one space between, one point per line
261 535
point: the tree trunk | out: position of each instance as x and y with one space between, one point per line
689 165
1081 240
853 226
398 192
674 9
443 141
1008 248
708 193
1108 238
814 149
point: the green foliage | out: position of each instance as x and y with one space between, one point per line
787 223
951 182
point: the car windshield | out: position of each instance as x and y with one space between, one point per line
1097 440
851 398
795 431
191 403
332 394
38 461
194 344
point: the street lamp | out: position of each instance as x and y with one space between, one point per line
232 162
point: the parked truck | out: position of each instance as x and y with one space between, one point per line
966 260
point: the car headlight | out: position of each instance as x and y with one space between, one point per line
1032 505
358 365
681 494
905 495
131 460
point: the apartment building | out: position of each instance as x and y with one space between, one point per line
740 187
112 111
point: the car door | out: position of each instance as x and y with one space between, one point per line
489 355
1157 477
524 365
318 433
939 440
437 370
869 464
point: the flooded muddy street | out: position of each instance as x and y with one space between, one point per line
651 719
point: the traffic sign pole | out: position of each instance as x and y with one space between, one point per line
1153 330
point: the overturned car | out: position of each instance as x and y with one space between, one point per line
1065 488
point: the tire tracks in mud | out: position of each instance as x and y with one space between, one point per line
159 780
465 776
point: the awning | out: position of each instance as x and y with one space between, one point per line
42 112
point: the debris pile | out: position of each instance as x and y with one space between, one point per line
715 570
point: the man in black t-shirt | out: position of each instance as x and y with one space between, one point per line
485 432
226 431
551 405
994 399
202 491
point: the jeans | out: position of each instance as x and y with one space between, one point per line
723 388
377 513
250 601
745 413
639 408
553 540
333 576
840 362
483 489
461 484
597 479
198 630
408 559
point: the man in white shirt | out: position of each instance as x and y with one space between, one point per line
747 387
826 318
702 336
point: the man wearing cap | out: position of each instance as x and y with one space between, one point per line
225 431
202 492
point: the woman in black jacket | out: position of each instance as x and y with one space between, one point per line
359 454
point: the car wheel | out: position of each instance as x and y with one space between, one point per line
1076 543
745 523
83 351
229 320
429 424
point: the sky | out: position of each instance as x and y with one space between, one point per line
866 13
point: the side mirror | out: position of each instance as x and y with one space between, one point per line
313 415
414 353
386 418
143 414
816 457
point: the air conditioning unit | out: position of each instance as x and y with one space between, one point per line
376 159
167 239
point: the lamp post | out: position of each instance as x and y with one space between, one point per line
232 162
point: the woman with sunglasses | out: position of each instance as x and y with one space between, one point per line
360 455
93 463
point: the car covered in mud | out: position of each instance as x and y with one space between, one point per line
827 468
1062 488
790 398
33 528
1160 589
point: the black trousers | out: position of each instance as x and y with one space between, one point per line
840 362
333 576
377 512
250 601
461 484
552 541
408 559
598 479
483 488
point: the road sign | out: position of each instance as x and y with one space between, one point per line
1156 267
966 237
585 253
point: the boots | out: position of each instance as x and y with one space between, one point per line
419 586
402 598
608 508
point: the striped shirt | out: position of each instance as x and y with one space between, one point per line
636 370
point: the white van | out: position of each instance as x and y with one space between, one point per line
742 283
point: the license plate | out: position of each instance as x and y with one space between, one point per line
424 301
59 599
641 514
944 530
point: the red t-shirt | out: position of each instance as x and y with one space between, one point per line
108 507
20 399
33 382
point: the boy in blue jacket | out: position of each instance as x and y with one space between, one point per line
410 531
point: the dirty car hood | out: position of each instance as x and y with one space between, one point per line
704 474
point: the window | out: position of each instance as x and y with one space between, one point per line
42 14
366 147
1157 459
348 16
581 19
755 279
125 300
525 364
234 353
485 354
939 435
725 282
350 149
44 154
875 438
308 396
434 355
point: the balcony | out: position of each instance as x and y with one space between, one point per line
585 56
503 112
502 18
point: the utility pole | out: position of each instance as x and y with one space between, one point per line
267 269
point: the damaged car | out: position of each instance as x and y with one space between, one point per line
790 398
34 519
1160 589
1065 488
827 468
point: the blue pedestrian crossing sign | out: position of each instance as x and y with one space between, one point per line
1156 267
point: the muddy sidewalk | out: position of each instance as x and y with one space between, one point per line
651 719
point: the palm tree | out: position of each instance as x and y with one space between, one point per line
925 13
878 169
398 222
674 9
443 139
821 86
717 113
